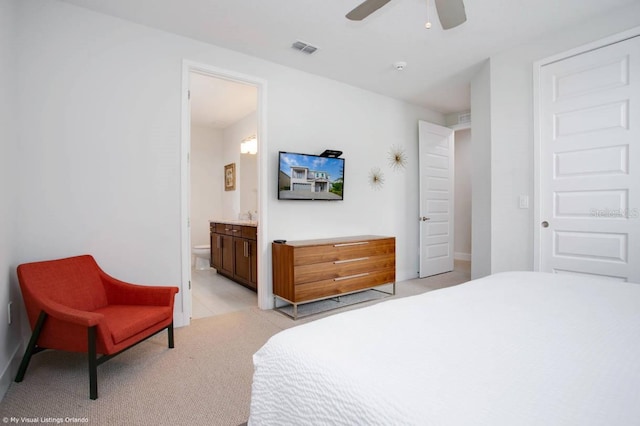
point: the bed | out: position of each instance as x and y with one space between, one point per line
516 348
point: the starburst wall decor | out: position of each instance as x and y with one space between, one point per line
397 158
376 178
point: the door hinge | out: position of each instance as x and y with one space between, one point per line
189 94
189 284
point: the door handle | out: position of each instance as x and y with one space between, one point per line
424 218
545 224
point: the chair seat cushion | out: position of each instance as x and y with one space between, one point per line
125 321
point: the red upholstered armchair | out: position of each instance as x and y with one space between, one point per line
73 305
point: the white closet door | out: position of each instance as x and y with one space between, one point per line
436 157
590 163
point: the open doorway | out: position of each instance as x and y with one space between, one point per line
462 199
223 113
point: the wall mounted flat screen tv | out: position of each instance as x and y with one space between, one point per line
310 177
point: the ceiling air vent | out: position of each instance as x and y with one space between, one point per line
304 47
464 118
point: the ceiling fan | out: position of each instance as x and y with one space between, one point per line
450 12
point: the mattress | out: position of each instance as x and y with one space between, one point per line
517 348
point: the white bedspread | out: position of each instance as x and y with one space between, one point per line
518 348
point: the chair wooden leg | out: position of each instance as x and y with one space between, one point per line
93 363
170 334
31 347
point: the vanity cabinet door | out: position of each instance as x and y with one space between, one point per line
245 250
226 254
216 250
243 260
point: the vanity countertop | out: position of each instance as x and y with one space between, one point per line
236 222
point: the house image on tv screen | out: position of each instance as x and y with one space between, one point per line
301 182
303 179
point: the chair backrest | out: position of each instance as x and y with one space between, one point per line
74 282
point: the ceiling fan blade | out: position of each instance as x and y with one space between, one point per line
365 9
451 13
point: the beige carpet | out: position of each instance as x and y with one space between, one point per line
204 380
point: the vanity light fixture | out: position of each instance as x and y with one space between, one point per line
249 145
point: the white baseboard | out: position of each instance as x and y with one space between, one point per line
9 373
462 256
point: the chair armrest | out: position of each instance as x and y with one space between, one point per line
67 314
122 293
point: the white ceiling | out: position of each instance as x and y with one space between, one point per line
217 103
440 63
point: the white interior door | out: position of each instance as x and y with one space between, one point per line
436 198
590 163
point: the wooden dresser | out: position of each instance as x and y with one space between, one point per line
305 271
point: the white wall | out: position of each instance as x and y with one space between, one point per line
206 177
99 116
462 195
234 134
9 174
512 134
481 173
364 126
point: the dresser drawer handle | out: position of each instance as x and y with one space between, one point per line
338 262
235 230
364 274
359 243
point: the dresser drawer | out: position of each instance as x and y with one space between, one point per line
337 286
343 251
342 268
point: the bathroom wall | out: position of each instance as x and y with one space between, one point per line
244 198
248 184
206 181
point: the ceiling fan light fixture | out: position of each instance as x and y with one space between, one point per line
450 12
365 9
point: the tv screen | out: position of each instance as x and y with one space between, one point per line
310 177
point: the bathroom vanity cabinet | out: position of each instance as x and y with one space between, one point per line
234 251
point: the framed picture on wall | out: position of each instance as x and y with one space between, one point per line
230 177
